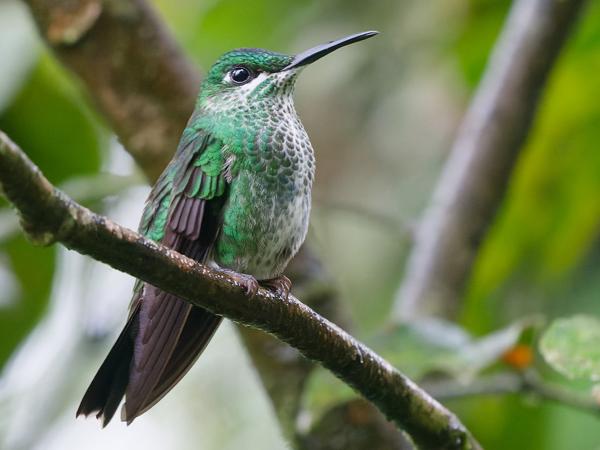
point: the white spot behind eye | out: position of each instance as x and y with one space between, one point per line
227 78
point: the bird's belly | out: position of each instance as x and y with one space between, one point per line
262 232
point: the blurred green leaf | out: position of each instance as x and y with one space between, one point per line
18 48
549 220
323 391
49 120
483 20
421 346
218 26
33 269
570 346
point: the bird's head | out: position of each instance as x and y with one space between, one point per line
246 76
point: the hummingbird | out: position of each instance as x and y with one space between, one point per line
236 196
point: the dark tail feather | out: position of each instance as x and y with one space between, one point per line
162 339
161 320
199 329
170 336
108 386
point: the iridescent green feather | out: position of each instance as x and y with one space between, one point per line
196 149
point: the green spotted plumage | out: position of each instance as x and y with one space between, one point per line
236 195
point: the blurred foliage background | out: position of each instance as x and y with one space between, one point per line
382 117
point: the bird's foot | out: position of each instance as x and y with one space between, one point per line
280 285
248 282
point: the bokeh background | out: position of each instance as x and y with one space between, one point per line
382 116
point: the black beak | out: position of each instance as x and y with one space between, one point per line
319 51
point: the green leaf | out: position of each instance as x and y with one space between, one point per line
48 118
421 346
18 48
33 272
570 346
207 29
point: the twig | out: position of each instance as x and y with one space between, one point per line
49 216
497 384
513 383
474 180
533 383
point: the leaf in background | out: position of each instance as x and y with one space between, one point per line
323 390
419 347
218 26
482 23
481 353
52 124
570 346
551 215
33 269
18 49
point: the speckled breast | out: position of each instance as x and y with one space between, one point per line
266 216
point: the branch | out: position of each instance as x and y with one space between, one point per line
475 178
50 216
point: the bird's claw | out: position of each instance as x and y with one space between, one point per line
247 282
280 285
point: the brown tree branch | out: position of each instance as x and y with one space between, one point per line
475 178
50 216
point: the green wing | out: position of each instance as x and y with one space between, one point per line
176 208
164 334
183 212
178 200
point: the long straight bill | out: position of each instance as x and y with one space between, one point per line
319 51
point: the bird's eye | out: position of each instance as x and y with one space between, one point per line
240 75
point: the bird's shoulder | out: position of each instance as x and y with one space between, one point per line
196 174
